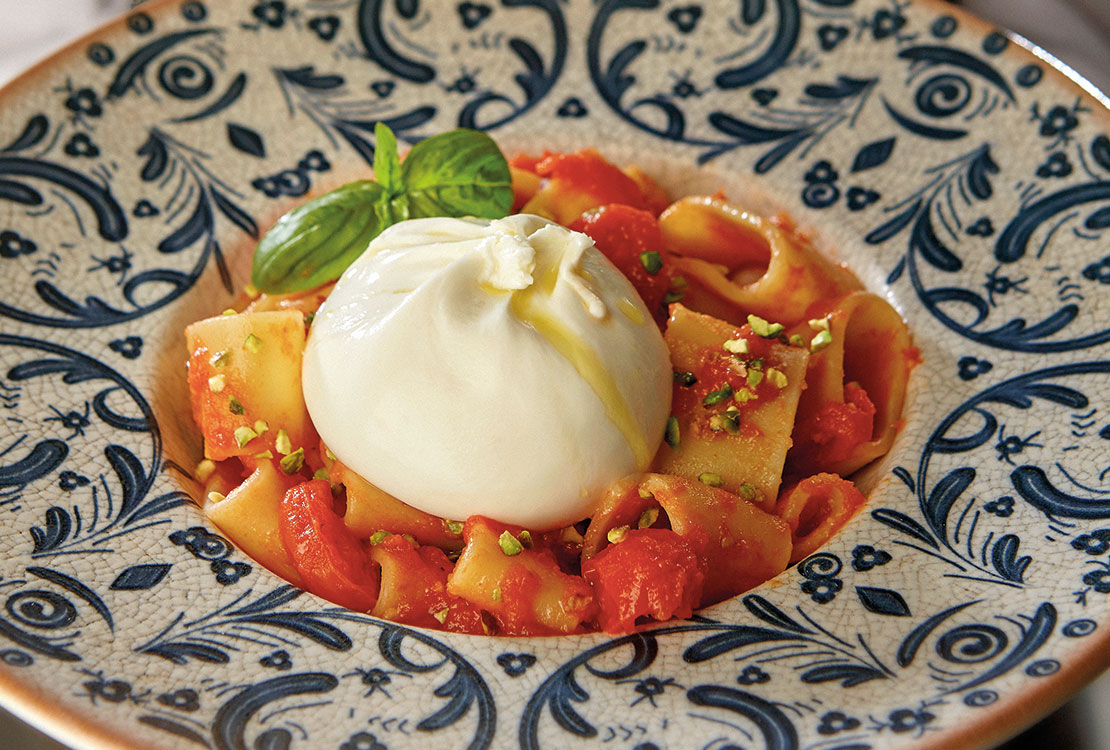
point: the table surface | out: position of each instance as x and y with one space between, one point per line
1079 35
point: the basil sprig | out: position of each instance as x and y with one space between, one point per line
458 173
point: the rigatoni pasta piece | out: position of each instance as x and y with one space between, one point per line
737 263
856 382
733 410
250 514
816 508
245 383
524 589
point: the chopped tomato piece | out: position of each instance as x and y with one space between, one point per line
631 239
837 427
414 588
651 573
331 562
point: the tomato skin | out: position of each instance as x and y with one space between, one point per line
331 562
623 233
652 572
838 428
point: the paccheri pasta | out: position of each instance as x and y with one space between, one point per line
786 378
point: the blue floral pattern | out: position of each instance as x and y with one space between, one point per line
941 158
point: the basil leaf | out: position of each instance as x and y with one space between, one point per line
458 173
387 163
315 243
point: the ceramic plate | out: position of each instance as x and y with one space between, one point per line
953 170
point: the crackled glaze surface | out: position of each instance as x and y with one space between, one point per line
947 166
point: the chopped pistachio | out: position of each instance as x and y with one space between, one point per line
264 454
204 470
216 497
251 291
820 341
261 426
322 473
764 329
744 395
221 359
747 491
217 383
671 435
282 442
379 536
713 480
819 324
796 340
717 396
644 494
736 346
230 311
410 539
617 534
728 422
684 378
235 406
670 298
678 283
510 545
756 364
292 463
496 594
441 614
651 261
647 518
454 527
252 343
309 318
755 377
776 378
244 435
329 454
525 538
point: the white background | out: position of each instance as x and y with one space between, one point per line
1075 31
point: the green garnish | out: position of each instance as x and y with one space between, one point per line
252 343
776 378
525 537
260 426
728 422
796 340
235 406
221 359
457 173
708 477
379 536
820 341
647 518
670 434
322 473
292 463
748 491
743 396
684 378
736 346
217 383
764 329
617 534
510 545
755 377
651 261
454 527
265 454
441 614
496 594
717 396
244 435
672 297
282 442
819 324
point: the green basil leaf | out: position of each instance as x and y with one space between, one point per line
458 173
315 243
387 162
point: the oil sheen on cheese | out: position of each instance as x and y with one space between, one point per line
502 368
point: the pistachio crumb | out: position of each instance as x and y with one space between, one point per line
221 359
644 494
496 594
244 435
454 527
719 395
776 378
379 536
671 435
322 473
251 291
216 497
651 261
261 426
230 311
743 396
217 383
235 406
252 343
525 538
282 442
264 454
736 346
711 479
617 534
819 324
796 340
755 377
441 614
820 341
510 545
648 518
292 463
684 378
764 329
747 491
